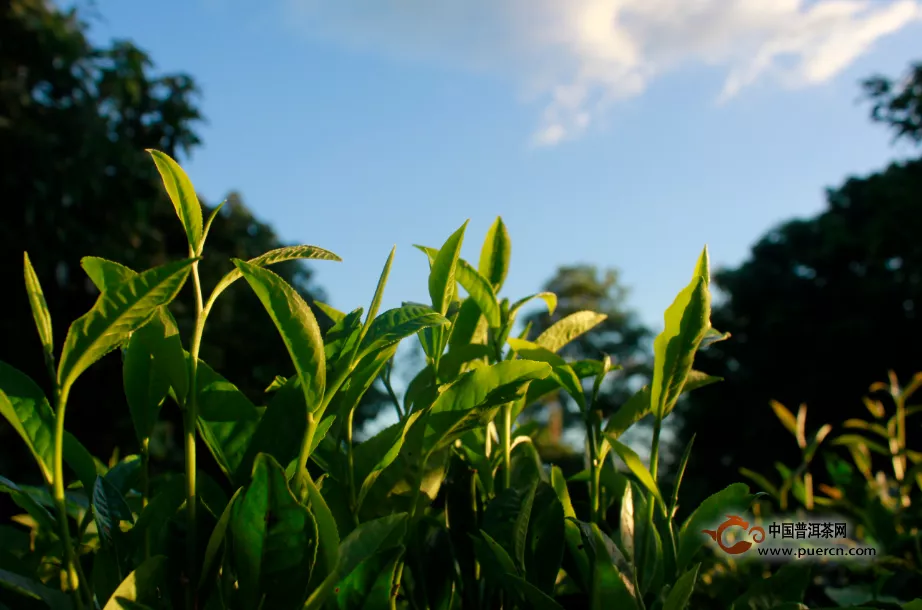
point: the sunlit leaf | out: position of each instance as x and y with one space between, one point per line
569 328
495 254
117 313
297 326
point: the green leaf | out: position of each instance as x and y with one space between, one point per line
369 538
276 384
549 298
162 507
273 539
442 275
366 371
117 313
736 497
80 461
211 217
26 502
145 385
215 540
506 520
39 311
686 322
109 507
161 333
385 446
495 254
297 326
280 430
502 559
638 406
788 584
544 545
141 585
529 350
454 360
281 255
24 406
182 194
227 420
328 544
379 294
469 327
475 397
680 474
105 274
26 587
480 291
569 328
396 324
856 440
681 593
610 588
915 604
784 416
761 481
334 314
368 587
341 339
634 463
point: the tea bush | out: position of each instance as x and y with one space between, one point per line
451 507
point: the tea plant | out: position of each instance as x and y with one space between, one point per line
450 507
878 489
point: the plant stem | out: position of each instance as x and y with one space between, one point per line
651 499
398 575
594 467
145 488
507 445
190 421
73 579
386 379
305 453
350 461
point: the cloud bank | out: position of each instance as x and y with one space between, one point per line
580 56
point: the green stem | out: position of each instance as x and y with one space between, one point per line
507 445
386 379
398 575
73 579
595 467
145 488
350 459
651 499
305 453
190 422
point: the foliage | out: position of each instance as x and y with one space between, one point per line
620 336
75 119
451 507
898 104
878 487
816 308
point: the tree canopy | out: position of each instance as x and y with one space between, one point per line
822 308
75 120
621 335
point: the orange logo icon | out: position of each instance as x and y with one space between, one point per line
757 533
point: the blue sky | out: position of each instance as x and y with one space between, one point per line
616 132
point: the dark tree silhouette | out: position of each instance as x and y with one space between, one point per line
75 121
822 308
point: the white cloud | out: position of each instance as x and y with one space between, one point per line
580 56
